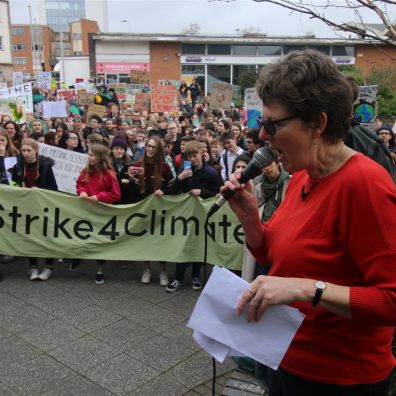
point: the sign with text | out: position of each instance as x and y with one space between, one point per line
254 106
139 76
70 95
67 168
164 98
54 109
17 78
95 109
85 98
69 227
44 80
21 93
14 109
142 102
221 96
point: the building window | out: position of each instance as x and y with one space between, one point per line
124 78
290 48
343 51
18 47
218 74
77 53
17 31
269 50
193 49
1 42
193 69
325 49
244 50
20 61
243 71
37 47
76 36
219 49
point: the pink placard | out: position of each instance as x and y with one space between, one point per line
121 67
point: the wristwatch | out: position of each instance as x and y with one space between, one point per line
320 287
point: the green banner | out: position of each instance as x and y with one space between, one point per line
42 223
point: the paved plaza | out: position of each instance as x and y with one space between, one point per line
69 336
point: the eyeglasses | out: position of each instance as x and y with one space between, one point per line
270 125
149 146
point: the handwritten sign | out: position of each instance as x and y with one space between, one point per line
139 76
142 102
70 95
21 93
44 80
17 78
120 90
221 96
95 109
254 106
85 98
67 168
164 98
14 109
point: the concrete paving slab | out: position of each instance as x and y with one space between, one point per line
83 354
35 376
153 293
35 290
121 374
160 352
4 391
91 318
163 385
183 335
51 335
183 303
14 350
123 335
4 334
10 302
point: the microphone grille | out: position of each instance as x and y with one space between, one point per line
263 157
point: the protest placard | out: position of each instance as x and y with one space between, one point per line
54 109
3 85
44 80
254 106
67 168
142 102
21 93
9 163
89 87
139 76
95 109
164 98
120 90
70 95
17 78
221 96
14 109
85 98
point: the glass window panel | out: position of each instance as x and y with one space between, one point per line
343 51
289 48
321 48
274 50
218 74
193 69
244 50
193 49
219 49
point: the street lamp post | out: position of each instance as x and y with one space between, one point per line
129 24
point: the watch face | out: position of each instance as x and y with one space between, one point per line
320 285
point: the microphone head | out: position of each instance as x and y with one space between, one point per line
263 157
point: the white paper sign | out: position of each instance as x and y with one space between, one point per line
22 93
17 78
54 109
67 168
254 106
9 163
44 80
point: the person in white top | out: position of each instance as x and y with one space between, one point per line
232 151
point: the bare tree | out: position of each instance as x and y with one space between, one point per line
318 9
192 29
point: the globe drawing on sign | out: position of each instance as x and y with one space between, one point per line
364 112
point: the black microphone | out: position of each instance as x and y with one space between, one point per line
261 158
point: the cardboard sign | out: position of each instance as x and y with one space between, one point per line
21 93
17 78
55 109
70 95
14 108
139 76
120 90
44 80
254 106
85 98
142 102
95 109
221 96
164 98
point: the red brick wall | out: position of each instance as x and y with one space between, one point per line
87 26
26 53
164 61
369 57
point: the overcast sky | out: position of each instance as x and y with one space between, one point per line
216 17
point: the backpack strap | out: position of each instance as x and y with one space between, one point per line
225 159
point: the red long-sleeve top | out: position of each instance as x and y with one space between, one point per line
343 233
104 186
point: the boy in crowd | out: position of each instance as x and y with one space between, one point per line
200 180
232 151
253 142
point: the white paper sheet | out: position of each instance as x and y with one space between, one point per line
214 316
9 163
54 109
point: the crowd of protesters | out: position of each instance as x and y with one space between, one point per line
134 154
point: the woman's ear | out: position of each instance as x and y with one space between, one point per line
319 124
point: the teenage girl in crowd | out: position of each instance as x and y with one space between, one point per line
35 171
97 182
7 149
15 133
151 175
70 140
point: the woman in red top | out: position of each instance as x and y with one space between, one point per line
331 243
97 182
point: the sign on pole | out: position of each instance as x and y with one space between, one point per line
164 98
85 98
254 107
142 102
221 96
44 80
17 78
139 76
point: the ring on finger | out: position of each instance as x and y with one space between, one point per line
257 300
251 291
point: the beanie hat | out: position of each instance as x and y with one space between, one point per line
119 141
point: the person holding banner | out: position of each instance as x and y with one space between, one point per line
70 140
151 175
97 183
331 243
35 171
